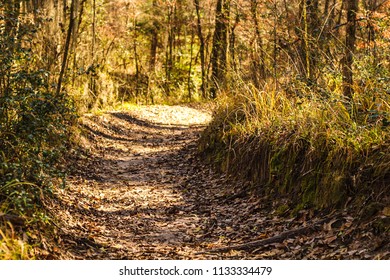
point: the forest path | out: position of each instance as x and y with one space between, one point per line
143 193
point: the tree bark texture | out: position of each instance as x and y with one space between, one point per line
219 55
350 39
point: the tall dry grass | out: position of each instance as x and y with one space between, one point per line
319 150
12 247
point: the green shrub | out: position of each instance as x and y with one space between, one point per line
34 124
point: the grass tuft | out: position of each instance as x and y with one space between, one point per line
318 151
13 248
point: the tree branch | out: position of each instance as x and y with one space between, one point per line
275 239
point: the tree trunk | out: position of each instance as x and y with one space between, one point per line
310 27
169 49
275 48
232 41
189 84
220 48
350 38
258 71
201 48
9 40
371 36
66 48
153 42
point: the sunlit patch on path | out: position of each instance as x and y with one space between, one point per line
142 192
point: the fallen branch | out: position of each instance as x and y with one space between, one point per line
275 239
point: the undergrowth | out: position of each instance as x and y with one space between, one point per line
35 131
12 247
318 150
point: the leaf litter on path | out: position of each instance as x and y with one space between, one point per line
141 192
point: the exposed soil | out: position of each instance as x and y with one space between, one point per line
144 193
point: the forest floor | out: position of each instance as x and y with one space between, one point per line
142 192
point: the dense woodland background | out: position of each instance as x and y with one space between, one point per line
301 89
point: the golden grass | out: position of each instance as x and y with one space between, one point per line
12 247
317 150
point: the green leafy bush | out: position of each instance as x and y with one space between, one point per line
34 122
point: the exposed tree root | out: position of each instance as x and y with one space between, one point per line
274 239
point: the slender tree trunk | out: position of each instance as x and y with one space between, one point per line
153 51
350 38
10 41
310 48
339 16
153 41
326 7
275 49
169 51
93 43
92 84
190 66
232 41
75 38
201 48
66 48
136 58
219 55
371 36
64 8
258 71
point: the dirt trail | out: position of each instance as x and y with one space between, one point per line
143 193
